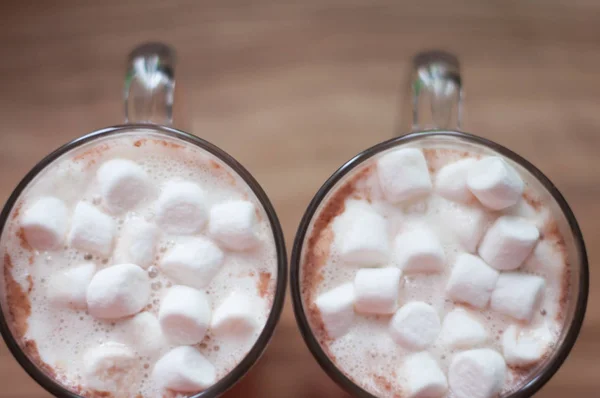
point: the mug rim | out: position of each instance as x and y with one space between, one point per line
258 348
574 328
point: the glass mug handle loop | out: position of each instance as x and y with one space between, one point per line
436 92
150 84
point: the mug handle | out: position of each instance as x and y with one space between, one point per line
150 84
436 92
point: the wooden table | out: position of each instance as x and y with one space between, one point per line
293 89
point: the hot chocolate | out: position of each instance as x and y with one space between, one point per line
138 265
436 271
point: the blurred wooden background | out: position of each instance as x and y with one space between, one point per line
293 89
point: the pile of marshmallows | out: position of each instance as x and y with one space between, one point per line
122 290
489 278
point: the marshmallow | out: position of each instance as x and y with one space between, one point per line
461 330
184 315
137 243
91 230
194 262
403 174
123 184
232 224
337 309
525 347
467 224
548 258
68 288
508 242
472 281
362 235
477 374
118 291
376 290
451 181
109 367
419 250
184 369
517 295
495 183
525 210
181 208
45 223
422 377
143 332
415 326
237 316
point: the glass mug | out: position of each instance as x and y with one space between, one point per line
436 115
149 89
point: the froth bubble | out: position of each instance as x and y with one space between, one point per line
152 271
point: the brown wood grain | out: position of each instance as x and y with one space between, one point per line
293 89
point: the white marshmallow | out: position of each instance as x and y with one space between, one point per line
472 281
137 243
238 316
123 184
461 330
419 250
477 374
232 225
376 290
91 230
143 332
403 174
508 242
184 315
45 223
415 326
547 257
194 262
495 183
337 309
184 369
181 208
422 377
109 367
451 180
68 288
362 235
517 295
467 224
118 291
525 210
523 347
